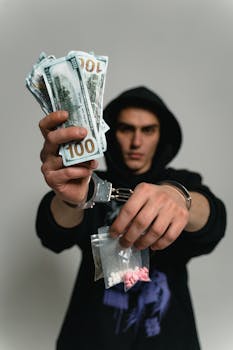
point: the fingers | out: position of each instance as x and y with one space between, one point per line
48 126
155 231
150 218
166 227
70 182
53 164
52 121
63 135
169 236
128 212
54 136
48 150
58 177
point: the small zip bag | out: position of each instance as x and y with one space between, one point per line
117 264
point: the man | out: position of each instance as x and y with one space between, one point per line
170 211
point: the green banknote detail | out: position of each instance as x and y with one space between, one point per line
68 91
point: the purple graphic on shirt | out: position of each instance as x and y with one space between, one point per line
142 307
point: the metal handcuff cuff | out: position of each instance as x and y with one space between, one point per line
104 192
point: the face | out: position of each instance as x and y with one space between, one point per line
138 133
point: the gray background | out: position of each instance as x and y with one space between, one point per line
183 50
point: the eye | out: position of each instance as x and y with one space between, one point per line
149 130
125 128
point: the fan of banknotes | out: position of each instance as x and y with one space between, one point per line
74 83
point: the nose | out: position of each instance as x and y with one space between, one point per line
137 138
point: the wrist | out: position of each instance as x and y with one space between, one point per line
64 215
66 204
83 204
181 189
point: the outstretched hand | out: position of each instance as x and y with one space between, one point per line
69 183
154 216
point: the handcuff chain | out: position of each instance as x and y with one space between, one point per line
121 194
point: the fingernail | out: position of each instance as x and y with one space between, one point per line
64 114
113 234
94 164
82 132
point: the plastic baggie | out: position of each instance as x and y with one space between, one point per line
117 264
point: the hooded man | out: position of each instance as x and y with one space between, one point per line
170 211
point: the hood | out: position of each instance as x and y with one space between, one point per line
170 134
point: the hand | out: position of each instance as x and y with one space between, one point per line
69 183
154 216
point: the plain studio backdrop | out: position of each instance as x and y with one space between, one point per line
183 49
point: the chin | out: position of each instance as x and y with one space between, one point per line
134 168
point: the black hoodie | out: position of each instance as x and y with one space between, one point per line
156 315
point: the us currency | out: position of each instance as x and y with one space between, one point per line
68 91
94 74
94 70
36 85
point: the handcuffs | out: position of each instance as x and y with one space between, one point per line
104 192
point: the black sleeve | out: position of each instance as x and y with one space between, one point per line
206 239
191 244
53 236
58 238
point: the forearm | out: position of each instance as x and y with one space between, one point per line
199 212
64 215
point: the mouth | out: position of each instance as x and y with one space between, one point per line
135 155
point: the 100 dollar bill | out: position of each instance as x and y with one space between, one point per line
36 84
94 69
67 91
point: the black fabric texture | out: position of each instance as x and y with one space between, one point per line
91 324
